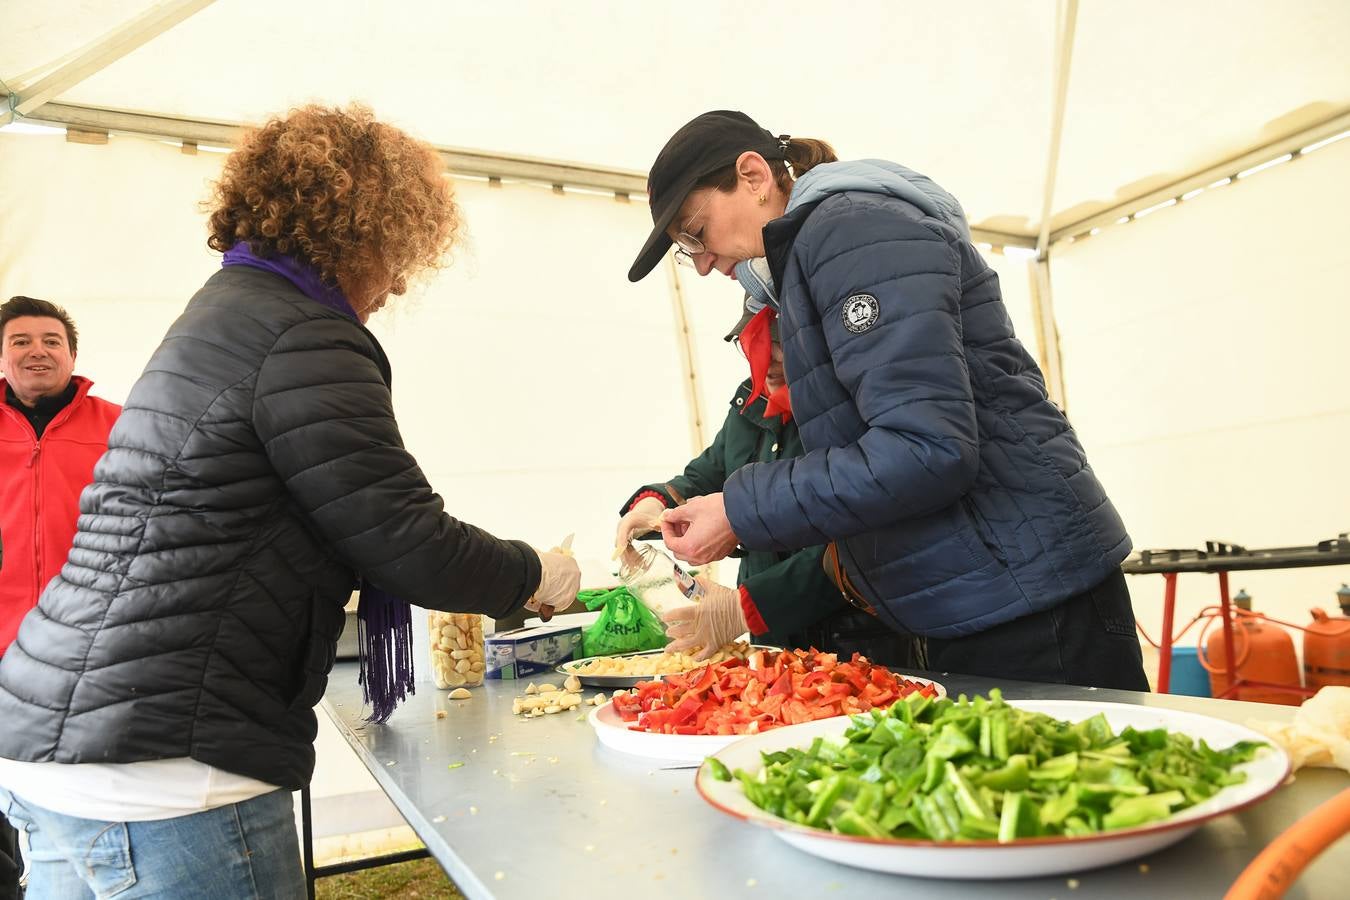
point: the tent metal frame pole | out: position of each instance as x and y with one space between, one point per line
1047 332
460 161
100 54
688 361
1002 238
622 182
1064 37
1228 168
1042 298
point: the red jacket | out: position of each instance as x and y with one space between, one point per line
40 484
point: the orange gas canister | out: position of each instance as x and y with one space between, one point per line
1264 652
1326 646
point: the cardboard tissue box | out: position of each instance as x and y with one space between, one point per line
522 652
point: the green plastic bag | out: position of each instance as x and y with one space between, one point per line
625 624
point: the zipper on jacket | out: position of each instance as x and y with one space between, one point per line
37 517
56 421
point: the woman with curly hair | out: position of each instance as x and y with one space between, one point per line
158 703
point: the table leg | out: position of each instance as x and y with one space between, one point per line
1225 606
1165 651
307 840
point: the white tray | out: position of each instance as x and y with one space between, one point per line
617 734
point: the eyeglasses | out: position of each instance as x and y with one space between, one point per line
687 245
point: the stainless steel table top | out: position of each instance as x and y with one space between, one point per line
540 805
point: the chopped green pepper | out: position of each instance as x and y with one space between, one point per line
982 770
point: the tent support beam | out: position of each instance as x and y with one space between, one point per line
1063 63
688 366
460 161
1290 143
1042 300
625 183
1002 239
100 54
1047 332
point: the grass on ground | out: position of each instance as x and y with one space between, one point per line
421 878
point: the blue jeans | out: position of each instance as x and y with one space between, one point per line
244 850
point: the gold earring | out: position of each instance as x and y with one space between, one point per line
762 198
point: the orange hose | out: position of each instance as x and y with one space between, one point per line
1278 866
1207 612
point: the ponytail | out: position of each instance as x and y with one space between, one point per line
803 154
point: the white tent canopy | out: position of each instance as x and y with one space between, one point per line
1091 111
962 91
1201 343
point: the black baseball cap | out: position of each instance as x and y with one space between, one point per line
735 332
704 145
747 313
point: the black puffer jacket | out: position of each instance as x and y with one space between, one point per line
255 471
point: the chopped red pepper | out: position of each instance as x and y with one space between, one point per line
767 690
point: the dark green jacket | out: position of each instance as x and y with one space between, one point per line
790 590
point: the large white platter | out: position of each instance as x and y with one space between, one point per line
616 734
989 859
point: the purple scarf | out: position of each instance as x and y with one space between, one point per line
383 621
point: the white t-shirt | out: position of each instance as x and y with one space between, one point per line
128 792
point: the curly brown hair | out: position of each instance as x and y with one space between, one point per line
359 200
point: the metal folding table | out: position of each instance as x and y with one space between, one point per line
511 808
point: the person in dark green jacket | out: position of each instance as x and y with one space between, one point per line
784 599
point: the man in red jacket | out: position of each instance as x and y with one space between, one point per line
51 434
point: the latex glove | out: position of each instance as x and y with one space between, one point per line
698 532
708 625
645 516
559 581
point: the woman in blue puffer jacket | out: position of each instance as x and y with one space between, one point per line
957 499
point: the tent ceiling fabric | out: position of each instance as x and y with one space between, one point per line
961 91
1165 88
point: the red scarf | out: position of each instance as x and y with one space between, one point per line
757 344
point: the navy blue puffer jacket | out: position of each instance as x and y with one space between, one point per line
959 495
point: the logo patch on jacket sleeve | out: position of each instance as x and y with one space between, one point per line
861 312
